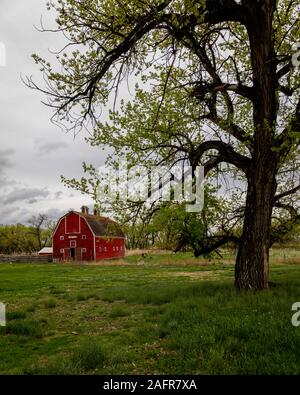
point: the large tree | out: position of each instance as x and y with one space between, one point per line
231 65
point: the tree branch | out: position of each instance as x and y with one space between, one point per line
215 242
225 11
226 154
286 193
202 89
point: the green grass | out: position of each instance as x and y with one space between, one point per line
15 315
161 314
119 311
24 328
90 355
49 303
85 296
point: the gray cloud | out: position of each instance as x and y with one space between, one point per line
24 194
13 215
55 213
5 160
4 181
30 173
50 147
58 195
5 163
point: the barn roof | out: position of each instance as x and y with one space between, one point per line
102 226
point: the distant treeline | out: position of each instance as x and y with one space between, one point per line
26 239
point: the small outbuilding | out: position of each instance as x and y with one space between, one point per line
46 251
80 236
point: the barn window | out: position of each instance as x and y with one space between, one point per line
62 237
117 248
105 249
83 237
113 248
83 249
100 249
61 250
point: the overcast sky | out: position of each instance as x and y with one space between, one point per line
33 151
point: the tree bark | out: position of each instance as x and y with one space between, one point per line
252 263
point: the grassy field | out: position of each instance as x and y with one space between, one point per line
162 314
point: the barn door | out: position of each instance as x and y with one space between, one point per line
73 254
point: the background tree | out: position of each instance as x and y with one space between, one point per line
15 239
20 238
41 228
229 63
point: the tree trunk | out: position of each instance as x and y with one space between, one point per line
252 263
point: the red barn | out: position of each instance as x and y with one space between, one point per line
81 236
